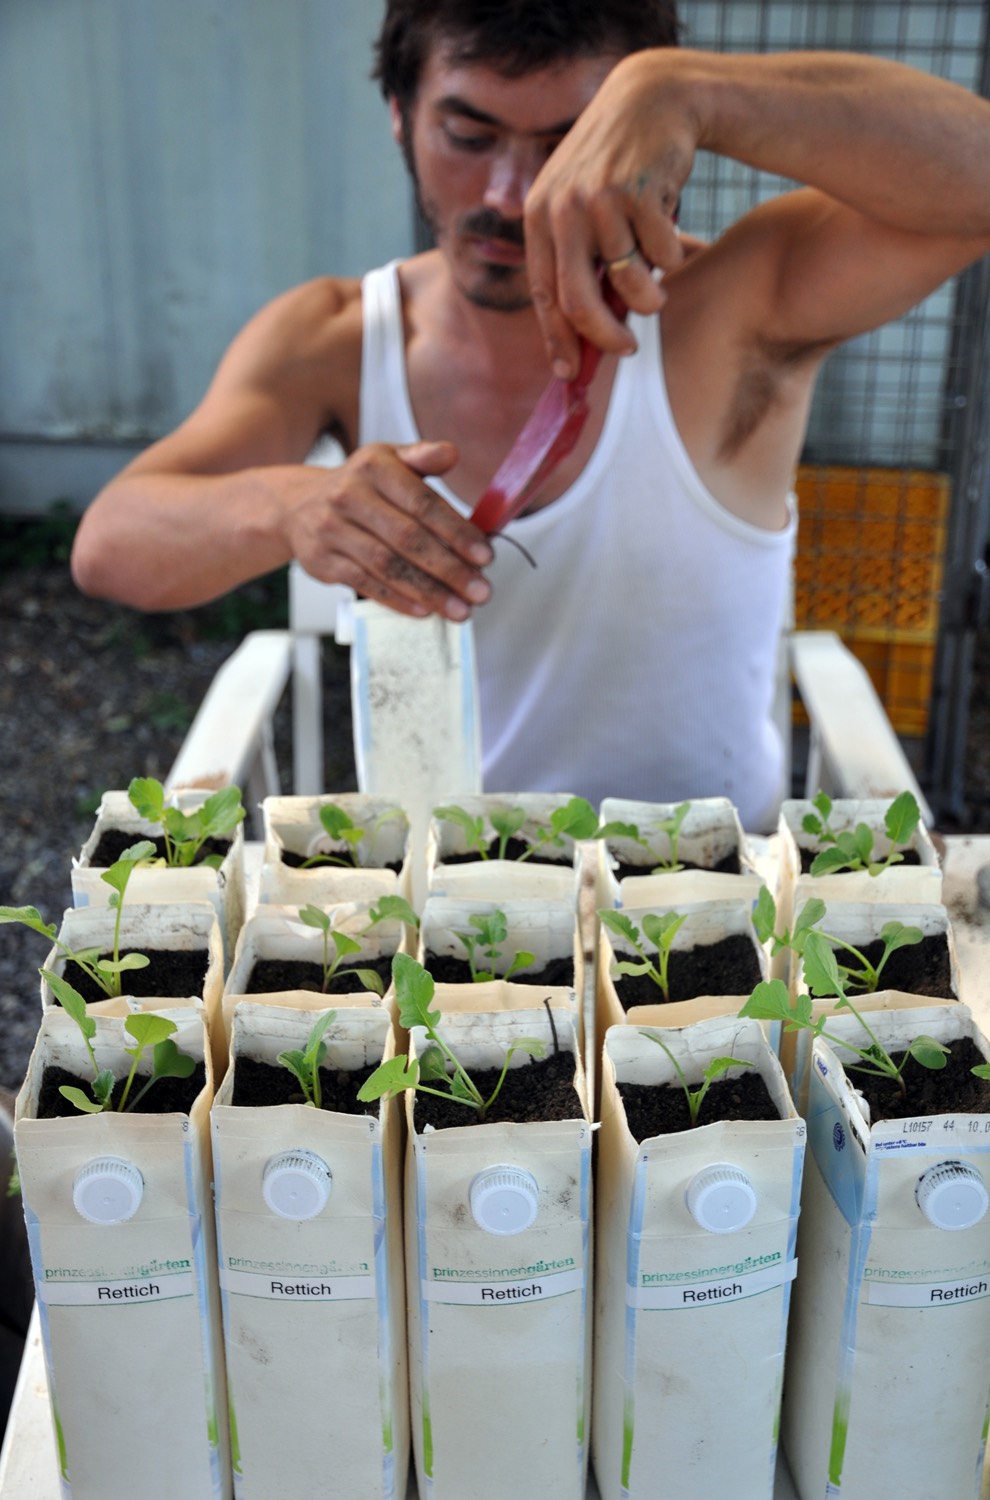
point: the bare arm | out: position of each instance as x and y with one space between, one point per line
897 159
228 496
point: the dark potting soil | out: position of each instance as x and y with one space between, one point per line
167 1096
923 969
257 1084
929 1091
653 1109
729 966
729 864
173 972
296 861
808 857
541 1089
273 976
515 849
446 969
114 841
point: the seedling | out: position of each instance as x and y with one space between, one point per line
184 834
391 909
147 1030
715 1070
770 1001
343 947
672 828
853 849
816 947
341 829
104 972
437 1071
660 929
576 819
484 947
305 1065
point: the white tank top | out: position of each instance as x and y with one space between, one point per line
639 659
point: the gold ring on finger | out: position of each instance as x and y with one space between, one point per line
622 262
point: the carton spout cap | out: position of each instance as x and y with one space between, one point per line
107 1190
721 1198
504 1200
952 1195
296 1184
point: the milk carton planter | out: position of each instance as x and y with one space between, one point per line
325 850
310 1249
120 1225
930 967
544 933
698 854
498 1264
696 1240
475 861
714 959
118 825
889 1358
916 878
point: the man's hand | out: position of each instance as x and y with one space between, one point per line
608 195
372 523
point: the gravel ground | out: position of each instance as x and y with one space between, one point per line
92 694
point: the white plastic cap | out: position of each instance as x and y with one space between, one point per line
107 1190
296 1184
721 1198
952 1195
504 1200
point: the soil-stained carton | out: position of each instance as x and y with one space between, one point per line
153 884
498 1259
716 860
120 1225
889 1360
309 1224
373 860
695 1261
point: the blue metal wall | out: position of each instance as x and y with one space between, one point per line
167 166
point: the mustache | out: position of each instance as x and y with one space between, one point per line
489 225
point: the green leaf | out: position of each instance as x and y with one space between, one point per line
338 823
221 813
532 1046
71 1002
902 818
928 1052
619 923
507 821
765 915
821 967
344 945
312 916
103 1086
414 989
828 861
810 914
147 1028
662 928
392 909
577 818
390 1079
295 1062
895 935
123 868
169 1062
981 1070
473 828
367 978
720 1065
770 1001
617 830
80 1100
28 916
315 1038
522 960
147 797
433 1066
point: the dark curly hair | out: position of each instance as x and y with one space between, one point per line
514 36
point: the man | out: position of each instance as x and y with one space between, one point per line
638 659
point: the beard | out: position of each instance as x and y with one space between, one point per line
498 288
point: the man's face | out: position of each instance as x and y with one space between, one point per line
474 141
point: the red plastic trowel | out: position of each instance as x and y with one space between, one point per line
547 437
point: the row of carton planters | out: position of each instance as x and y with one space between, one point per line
715 852
290 1340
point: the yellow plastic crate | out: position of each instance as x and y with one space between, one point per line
869 566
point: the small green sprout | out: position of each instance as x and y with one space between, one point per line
186 833
341 828
770 1001
715 1070
147 1030
816 947
343 947
104 972
765 922
575 819
437 1071
853 849
305 1065
660 929
672 828
391 909
484 947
